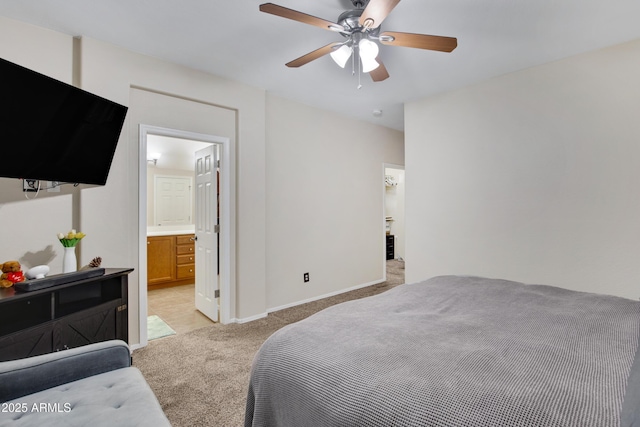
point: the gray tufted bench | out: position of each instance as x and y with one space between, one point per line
94 385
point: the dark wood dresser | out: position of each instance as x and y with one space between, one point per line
64 316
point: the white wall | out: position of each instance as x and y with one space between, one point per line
329 178
46 51
122 75
531 176
29 227
109 214
324 200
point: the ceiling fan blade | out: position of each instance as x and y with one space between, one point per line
284 12
311 56
376 11
380 73
420 41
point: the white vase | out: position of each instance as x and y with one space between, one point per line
69 262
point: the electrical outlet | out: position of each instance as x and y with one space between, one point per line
30 185
306 277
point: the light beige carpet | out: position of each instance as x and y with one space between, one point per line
201 377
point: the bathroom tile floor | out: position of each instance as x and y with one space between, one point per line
177 307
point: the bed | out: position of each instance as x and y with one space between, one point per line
454 351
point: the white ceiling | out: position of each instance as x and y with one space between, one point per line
235 40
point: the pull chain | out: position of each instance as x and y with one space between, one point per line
359 70
353 63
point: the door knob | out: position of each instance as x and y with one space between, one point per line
194 238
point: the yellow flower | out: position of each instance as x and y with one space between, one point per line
71 238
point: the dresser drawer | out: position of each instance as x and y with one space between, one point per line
185 259
186 271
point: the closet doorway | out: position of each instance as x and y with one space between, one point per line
394 243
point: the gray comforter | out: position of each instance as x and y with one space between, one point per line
452 351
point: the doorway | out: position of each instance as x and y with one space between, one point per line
172 251
159 142
394 190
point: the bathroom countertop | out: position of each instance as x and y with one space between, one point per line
170 230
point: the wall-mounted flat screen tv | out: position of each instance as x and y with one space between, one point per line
53 131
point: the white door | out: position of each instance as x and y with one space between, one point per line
206 220
173 200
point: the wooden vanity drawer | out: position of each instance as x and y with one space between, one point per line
184 249
185 259
186 271
185 239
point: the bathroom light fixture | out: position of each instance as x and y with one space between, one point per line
153 157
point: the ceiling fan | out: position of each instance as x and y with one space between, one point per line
361 28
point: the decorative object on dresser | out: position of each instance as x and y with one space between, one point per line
57 313
95 263
69 241
10 274
170 260
37 272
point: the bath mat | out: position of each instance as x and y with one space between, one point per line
157 328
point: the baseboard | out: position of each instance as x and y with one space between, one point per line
293 304
331 294
249 319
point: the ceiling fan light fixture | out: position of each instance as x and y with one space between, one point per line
361 27
368 54
342 55
369 65
368 49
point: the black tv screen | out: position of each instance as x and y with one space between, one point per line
54 131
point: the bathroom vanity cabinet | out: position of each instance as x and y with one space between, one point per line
170 260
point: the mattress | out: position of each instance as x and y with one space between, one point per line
454 351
